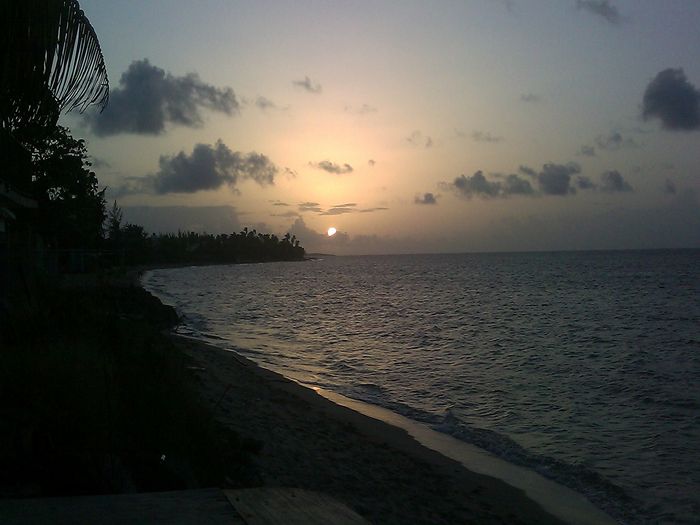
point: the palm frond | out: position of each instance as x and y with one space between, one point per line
51 62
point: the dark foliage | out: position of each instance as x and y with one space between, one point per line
71 207
137 247
95 399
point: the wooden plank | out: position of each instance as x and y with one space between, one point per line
205 506
277 506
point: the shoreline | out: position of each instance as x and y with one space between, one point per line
378 469
395 431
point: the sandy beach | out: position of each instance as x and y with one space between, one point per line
311 443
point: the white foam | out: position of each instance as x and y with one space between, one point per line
558 500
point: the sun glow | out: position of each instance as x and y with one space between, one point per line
331 231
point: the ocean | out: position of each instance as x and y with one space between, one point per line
582 366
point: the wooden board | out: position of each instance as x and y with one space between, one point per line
277 506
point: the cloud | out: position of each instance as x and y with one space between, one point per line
480 136
332 167
310 206
364 109
148 98
514 185
584 183
530 98
279 203
290 173
479 186
427 198
613 182
527 171
601 8
265 103
613 141
207 168
418 139
338 210
673 100
308 85
587 151
372 163
554 179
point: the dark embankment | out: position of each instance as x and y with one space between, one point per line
95 399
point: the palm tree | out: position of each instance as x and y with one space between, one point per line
50 61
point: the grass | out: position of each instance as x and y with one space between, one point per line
94 398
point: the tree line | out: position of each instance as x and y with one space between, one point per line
133 245
71 214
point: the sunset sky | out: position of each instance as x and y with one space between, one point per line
410 126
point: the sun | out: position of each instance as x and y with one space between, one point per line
331 231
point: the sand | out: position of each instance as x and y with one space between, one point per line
376 469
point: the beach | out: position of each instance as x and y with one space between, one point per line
377 469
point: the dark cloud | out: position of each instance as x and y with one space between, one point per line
207 168
613 141
499 186
418 139
364 109
530 98
554 179
480 136
601 8
308 85
476 185
669 187
338 210
290 173
527 171
310 206
613 182
279 203
265 103
332 167
587 151
148 99
514 185
673 100
584 183
370 210
427 198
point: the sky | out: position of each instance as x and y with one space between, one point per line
410 126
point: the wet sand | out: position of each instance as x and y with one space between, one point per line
376 469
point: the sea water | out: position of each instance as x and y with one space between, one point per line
583 366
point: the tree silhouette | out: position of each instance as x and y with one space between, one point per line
51 61
71 207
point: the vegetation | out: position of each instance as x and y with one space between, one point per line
137 247
51 60
70 206
97 400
